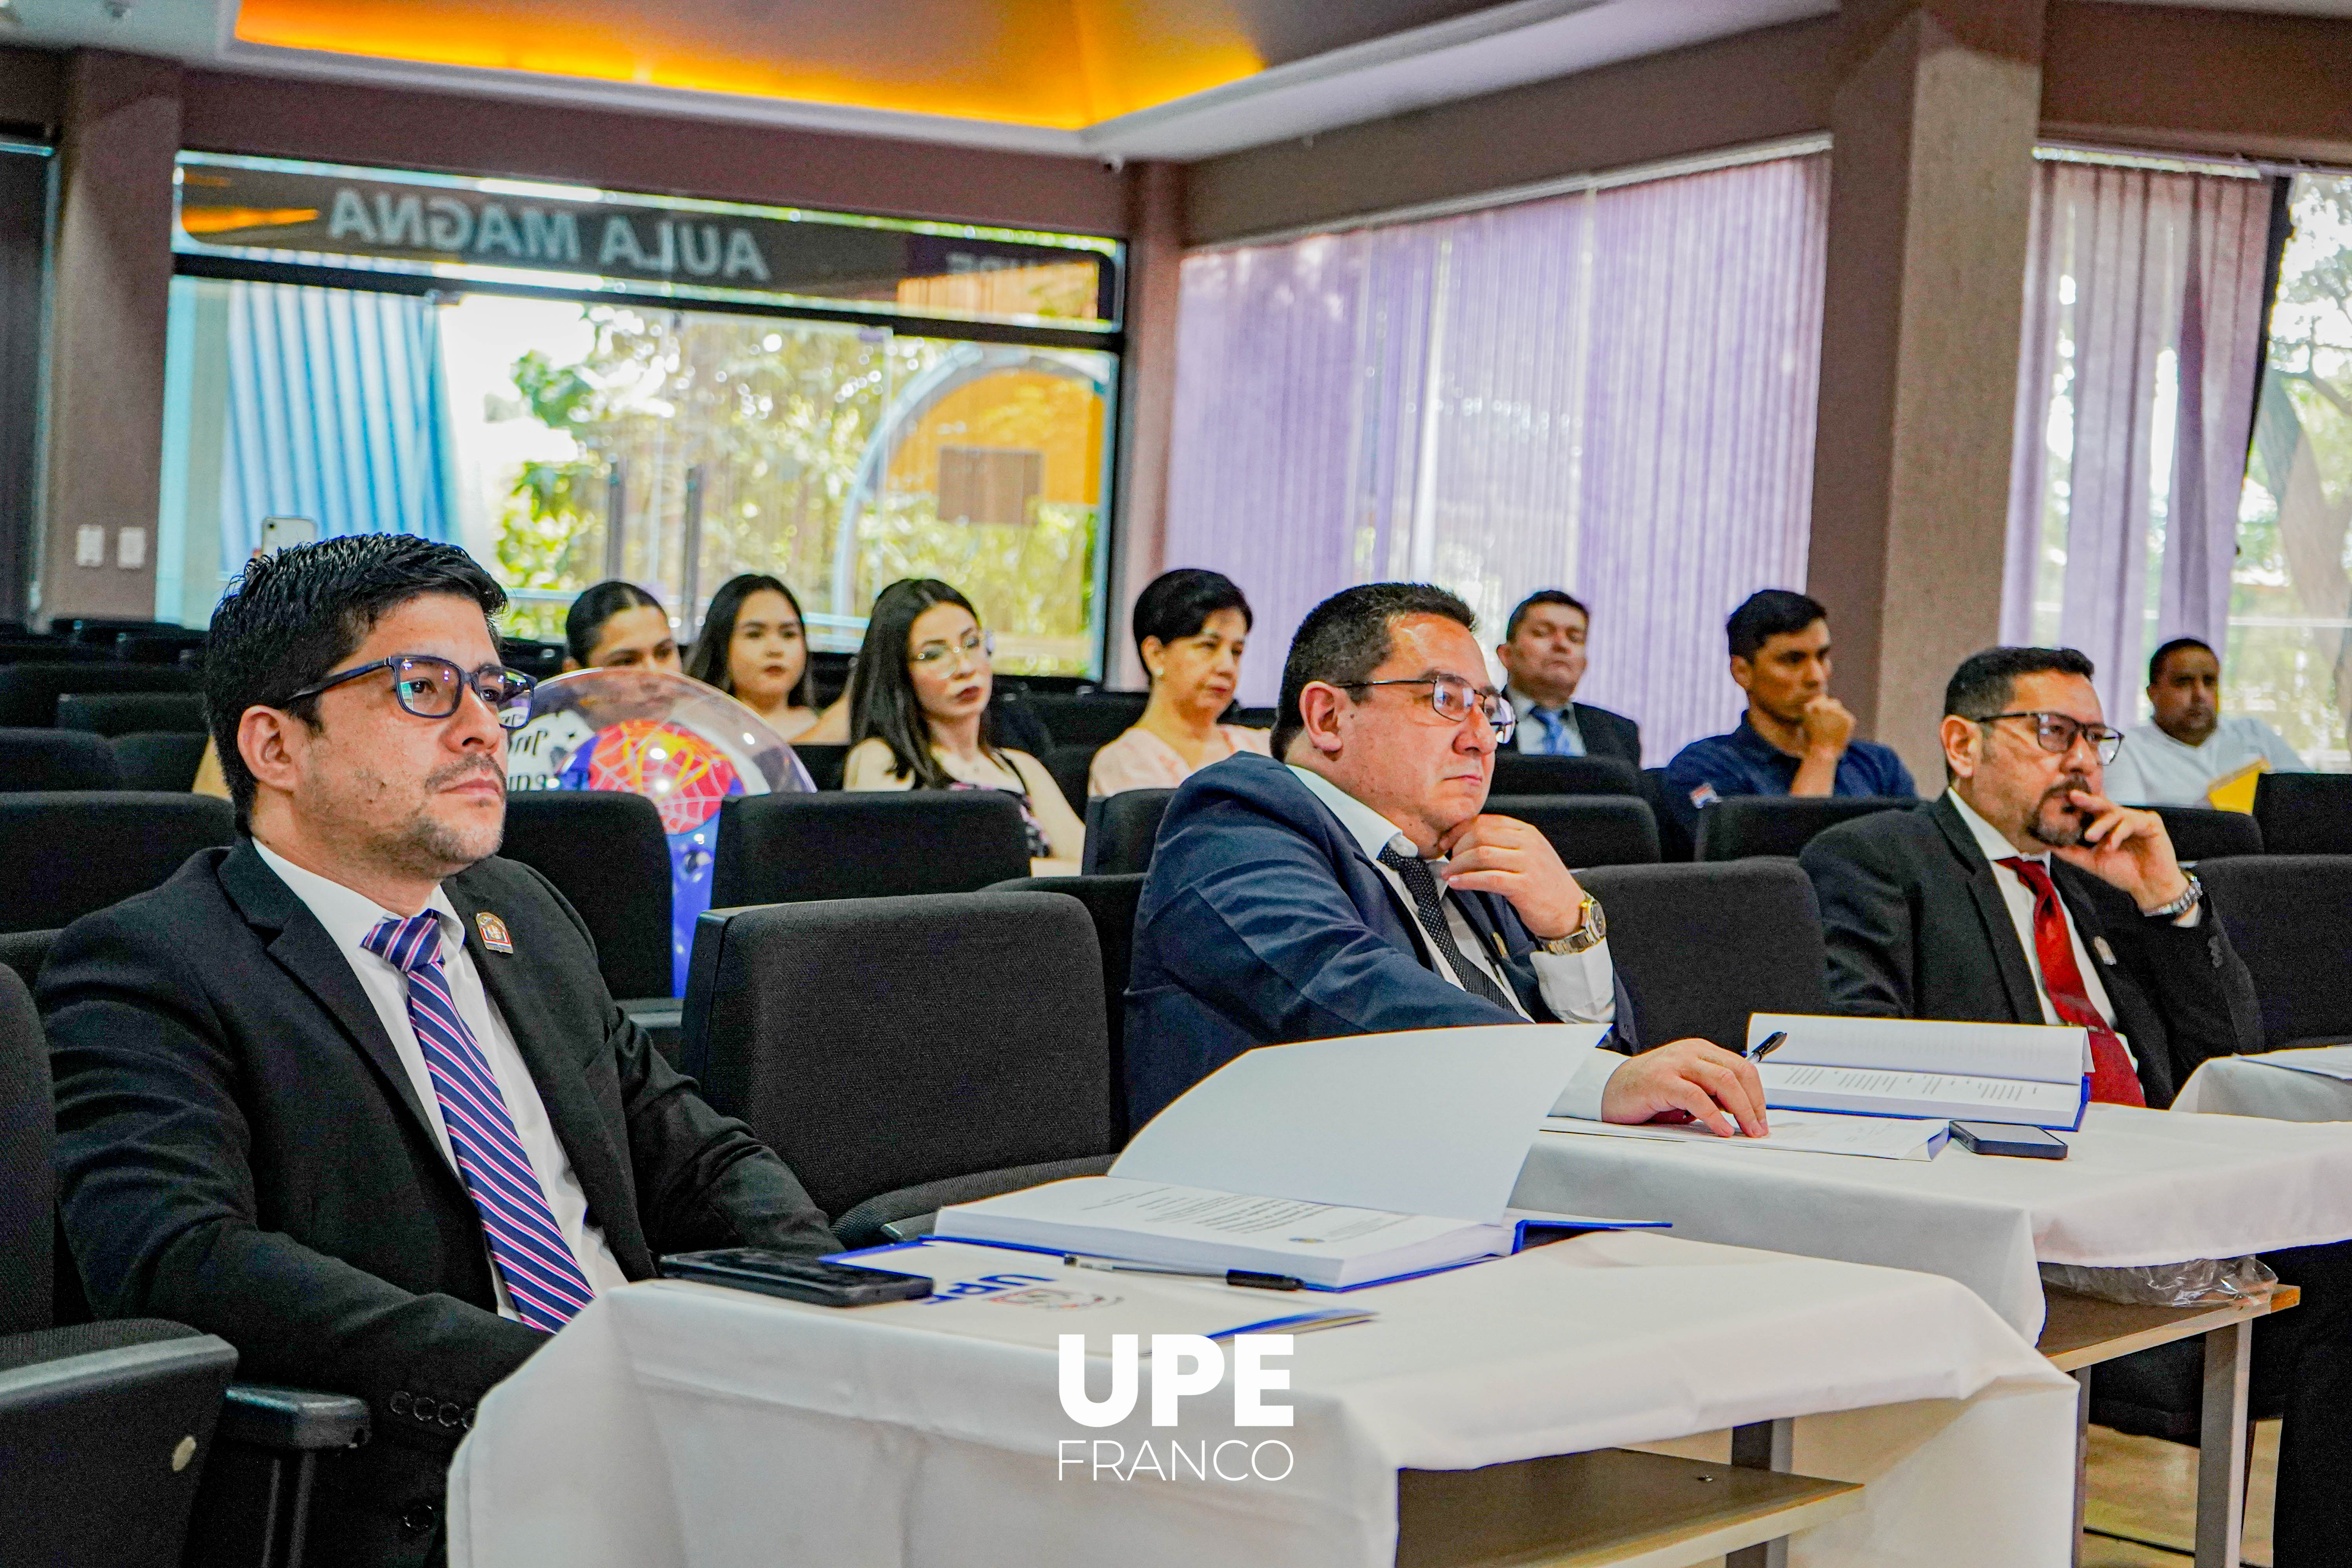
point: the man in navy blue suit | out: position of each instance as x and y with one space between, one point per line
1349 883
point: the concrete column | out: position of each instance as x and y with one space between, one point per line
1155 255
1935 113
111 272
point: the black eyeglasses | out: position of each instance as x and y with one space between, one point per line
432 687
2057 732
1454 699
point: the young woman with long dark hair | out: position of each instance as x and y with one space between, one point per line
754 647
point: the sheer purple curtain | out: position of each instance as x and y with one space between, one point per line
1610 391
2143 318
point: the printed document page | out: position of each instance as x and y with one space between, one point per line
1873 1137
1952 1096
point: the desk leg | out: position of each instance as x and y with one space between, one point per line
2081 1455
1763 1445
2221 1448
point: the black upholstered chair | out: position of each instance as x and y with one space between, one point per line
902 1054
2199 833
1111 901
105 1429
32 759
1089 718
29 692
66 856
2305 813
24 952
1746 825
786 848
158 760
2290 918
1069 765
605 851
1587 830
1673 839
1703 946
1516 773
127 712
1121 829
824 762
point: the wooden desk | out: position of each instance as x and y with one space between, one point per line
1610 1508
2079 1332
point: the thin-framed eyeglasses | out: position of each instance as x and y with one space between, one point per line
2057 732
935 653
1454 701
430 687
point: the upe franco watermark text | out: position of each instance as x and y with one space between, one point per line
1183 1365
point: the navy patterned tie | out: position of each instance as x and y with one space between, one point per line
542 1277
1414 872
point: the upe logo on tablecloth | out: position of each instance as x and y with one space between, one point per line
1182 1366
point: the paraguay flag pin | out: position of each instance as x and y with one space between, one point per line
494 933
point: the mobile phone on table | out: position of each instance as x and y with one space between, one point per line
2006 1137
810 1279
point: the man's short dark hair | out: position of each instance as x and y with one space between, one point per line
1544 596
1769 613
2155 660
1349 636
299 613
1986 681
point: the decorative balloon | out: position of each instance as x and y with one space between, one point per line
683 745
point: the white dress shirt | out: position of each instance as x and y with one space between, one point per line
349 917
2154 769
1530 734
1579 987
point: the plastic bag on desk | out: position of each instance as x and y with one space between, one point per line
2200 1282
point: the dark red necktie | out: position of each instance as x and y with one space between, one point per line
2113 1080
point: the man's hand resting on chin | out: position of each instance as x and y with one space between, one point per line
1719 1091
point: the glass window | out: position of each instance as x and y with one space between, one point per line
562 435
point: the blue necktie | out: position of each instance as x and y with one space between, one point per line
542 1277
1547 721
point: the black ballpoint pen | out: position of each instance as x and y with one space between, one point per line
1771 1042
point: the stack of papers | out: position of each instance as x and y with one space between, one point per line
1873 1137
2018 1073
2325 1061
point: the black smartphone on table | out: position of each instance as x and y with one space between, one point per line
794 1279
2007 1138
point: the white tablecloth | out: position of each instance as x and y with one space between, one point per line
2247 1086
2137 1187
676 1424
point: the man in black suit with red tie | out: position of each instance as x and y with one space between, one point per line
2025 896
350 1094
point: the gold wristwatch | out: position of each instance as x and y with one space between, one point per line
1591 929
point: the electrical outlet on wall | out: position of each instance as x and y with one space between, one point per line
130 549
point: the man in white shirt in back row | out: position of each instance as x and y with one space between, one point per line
2190 745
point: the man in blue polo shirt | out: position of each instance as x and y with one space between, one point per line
1795 737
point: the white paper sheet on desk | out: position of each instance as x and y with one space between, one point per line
1793 1131
1430 1121
2325 1061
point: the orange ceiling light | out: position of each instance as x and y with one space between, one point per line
1023 62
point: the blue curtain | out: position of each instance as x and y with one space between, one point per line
339 412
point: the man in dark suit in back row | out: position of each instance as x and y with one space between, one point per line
350 1094
1543 657
2023 895
1349 883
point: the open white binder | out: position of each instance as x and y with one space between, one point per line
2028 1074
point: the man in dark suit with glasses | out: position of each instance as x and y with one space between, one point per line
352 1094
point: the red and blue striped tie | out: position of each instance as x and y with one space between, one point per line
542 1277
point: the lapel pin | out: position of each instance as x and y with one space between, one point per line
2106 955
494 933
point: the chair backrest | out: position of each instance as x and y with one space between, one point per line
824 763
786 848
32 759
881 1042
29 692
24 952
1673 839
129 712
2201 833
1090 718
1702 946
66 856
158 762
1746 825
1111 901
1121 829
605 851
1516 773
1069 765
1587 829
2305 813
27 1190
2290 918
